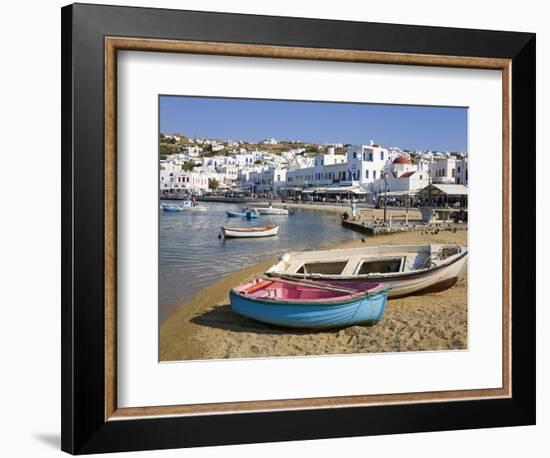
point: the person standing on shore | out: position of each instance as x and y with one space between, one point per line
353 208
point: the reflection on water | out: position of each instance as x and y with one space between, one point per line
192 256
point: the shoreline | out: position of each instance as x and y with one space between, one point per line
363 211
204 327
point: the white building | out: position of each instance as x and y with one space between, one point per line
450 170
269 180
182 181
192 151
403 175
361 165
217 147
268 141
174 180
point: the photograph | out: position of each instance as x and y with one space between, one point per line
270 219
294 228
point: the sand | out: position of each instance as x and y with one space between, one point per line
206 328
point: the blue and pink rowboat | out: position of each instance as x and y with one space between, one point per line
310 305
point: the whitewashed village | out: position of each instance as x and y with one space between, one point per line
307 172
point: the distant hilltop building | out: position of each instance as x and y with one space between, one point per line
268 141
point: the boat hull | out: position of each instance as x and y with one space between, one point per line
413 284
311 316
235 214
171 208
183 208
401 284
194 209
272 211
231 233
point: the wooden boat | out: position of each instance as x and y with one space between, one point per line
406 269
307 304
242 232
271 211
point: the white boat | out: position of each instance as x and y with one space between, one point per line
271 211
171 208
189 206
243 232
405 269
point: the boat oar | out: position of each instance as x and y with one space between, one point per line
324 286
307 282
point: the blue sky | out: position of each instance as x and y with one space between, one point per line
409 127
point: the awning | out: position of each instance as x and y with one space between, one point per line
399 193
444 190
337 190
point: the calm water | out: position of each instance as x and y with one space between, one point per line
192 256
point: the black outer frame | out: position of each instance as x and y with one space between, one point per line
84 429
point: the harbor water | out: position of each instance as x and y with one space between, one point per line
192 256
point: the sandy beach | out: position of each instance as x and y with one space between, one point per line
206 328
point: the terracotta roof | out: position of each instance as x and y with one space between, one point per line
401 160
407 174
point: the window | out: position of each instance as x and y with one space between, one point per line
354 155
381 155
374 174
367 174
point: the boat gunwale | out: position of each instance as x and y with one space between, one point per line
271 301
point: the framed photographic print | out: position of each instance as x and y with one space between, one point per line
282 228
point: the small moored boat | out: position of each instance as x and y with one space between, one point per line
271 211
171 208
235 214
307 304
242 232
189 205
407 269
186 206
248 213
